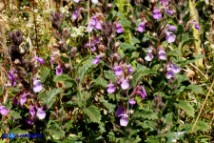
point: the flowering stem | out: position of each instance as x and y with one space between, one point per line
196 35
89 33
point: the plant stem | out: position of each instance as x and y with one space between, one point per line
193 127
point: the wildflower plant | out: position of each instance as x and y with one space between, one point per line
106 71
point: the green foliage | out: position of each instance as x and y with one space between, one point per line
78 95
93 113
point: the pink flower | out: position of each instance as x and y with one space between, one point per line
118 70
141 27
3 110
37 86
122 114
23 98
111 88
32 111
40 113
119 28
59 70
162 54
94 23
157 14
124 84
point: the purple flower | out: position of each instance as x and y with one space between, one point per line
149 55
118 70
170 37
94 23
196 25
111 88
164 2
120 110
40 60
170 74
169 11
15 101
3 110
75 15
172 69
132 102
141 27
59 70
124 120
175 69
12 77
96 60
121 113
125 84
119 28
23 98
40 113
32 111
140 90
172 28
162 54
130 70
37 86
157 14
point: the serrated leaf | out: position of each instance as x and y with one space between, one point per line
86 66
110 75
140 72
50 97
152 139
55 131
127 46
174 136
15 115
195 88
44 73
101 82
125 23
62 77
187 107
93 113
202 126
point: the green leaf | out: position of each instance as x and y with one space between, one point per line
50 97
18 131
55 131
101 82
125 23
175 136
44 73
202 126
140 72
109 106
187 107
195 88
127 46
15 115
108 74
85 68
152 139
62 77
93 113
134 41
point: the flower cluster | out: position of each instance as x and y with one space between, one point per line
172 69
